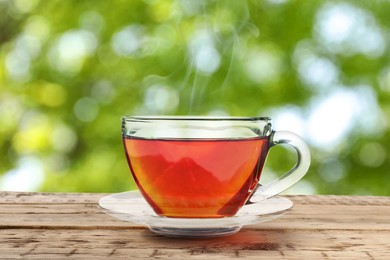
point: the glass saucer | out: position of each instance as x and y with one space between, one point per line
131 206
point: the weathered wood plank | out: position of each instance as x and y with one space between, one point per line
90 216
281 244
63 198
10 197
47 221
299 211
74 253
93 208
340 200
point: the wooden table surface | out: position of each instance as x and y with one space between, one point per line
48 226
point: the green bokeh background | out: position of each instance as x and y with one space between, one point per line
70 69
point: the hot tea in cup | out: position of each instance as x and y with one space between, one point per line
205 167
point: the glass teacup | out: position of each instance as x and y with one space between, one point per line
205 167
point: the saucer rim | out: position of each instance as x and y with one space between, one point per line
136 194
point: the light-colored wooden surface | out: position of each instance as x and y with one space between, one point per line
49 226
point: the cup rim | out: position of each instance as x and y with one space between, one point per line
194 118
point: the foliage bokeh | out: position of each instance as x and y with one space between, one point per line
70 69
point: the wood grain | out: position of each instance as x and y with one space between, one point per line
50 226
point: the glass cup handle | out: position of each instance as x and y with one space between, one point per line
292 176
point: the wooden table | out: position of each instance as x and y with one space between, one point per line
48 226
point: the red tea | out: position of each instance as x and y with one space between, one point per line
196 177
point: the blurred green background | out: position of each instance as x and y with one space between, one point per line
70 69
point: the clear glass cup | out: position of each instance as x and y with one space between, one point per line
205 167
